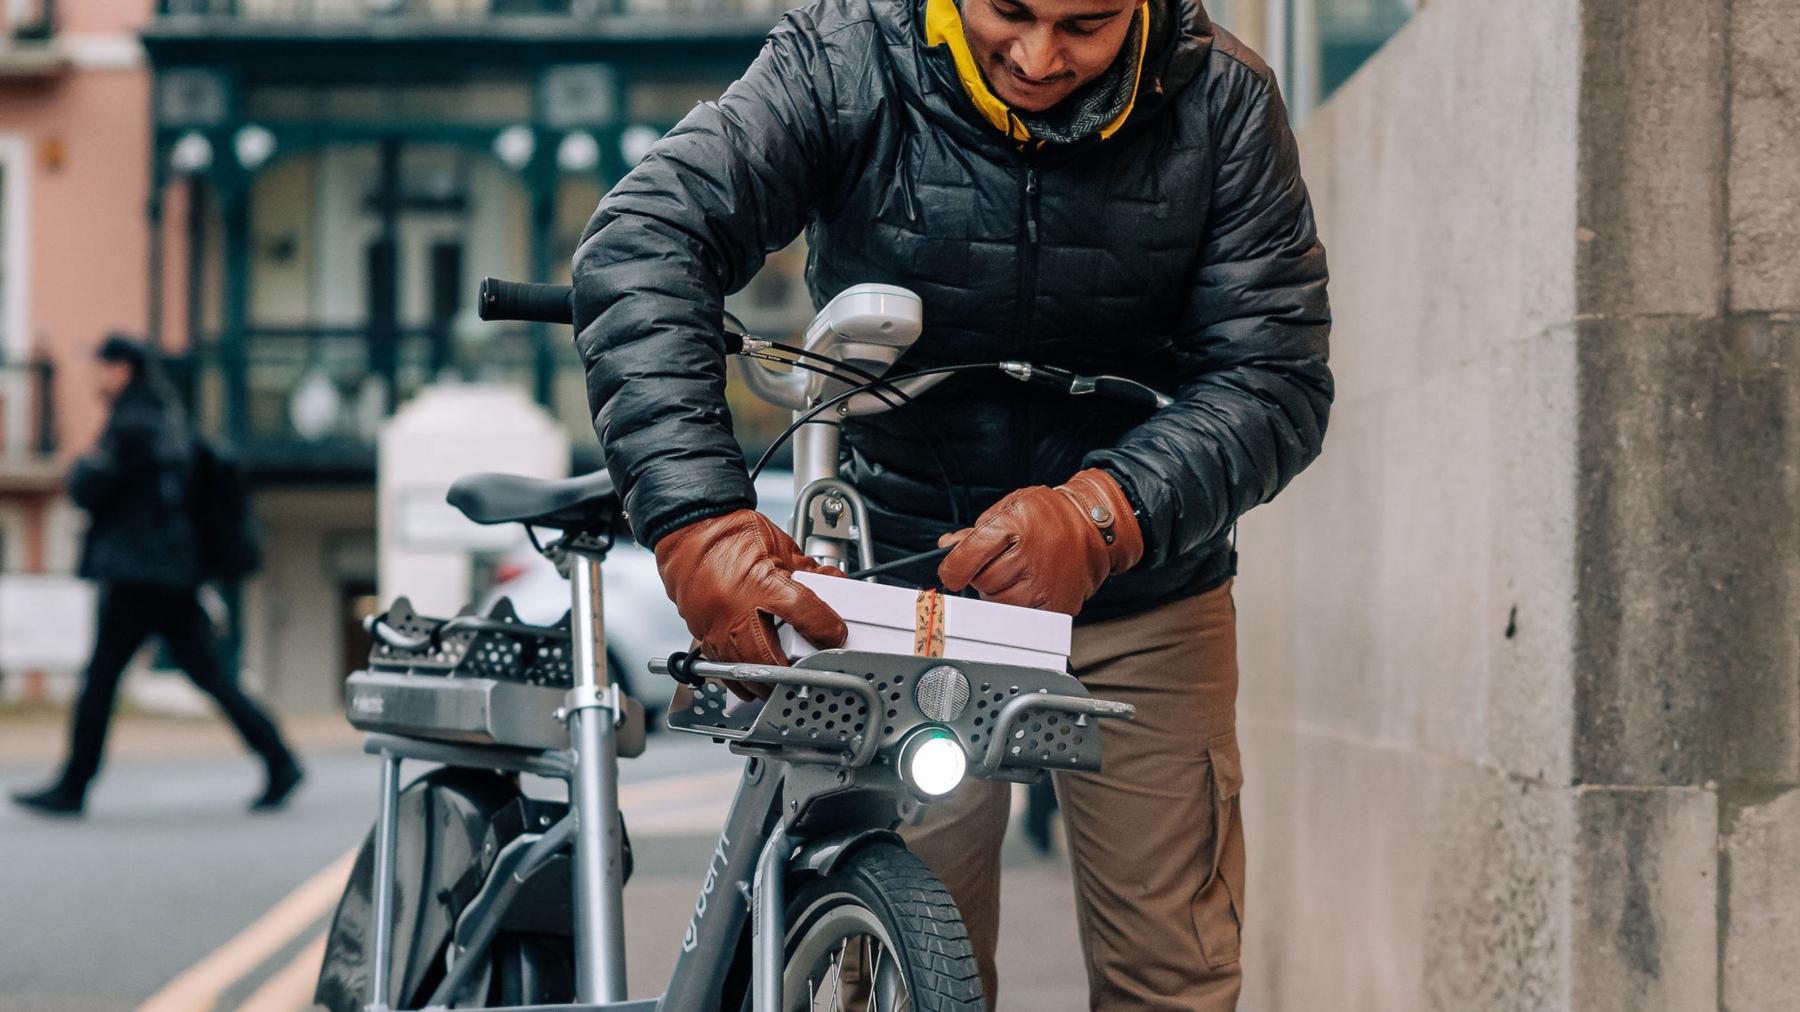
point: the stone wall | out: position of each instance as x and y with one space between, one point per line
1521 652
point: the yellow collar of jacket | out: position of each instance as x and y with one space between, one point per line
944 27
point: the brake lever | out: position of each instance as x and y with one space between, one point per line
1117 388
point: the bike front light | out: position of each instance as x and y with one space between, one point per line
933 762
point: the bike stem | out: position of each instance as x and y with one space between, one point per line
815 457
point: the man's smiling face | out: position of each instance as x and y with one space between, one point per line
1036 52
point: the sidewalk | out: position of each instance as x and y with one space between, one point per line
37 736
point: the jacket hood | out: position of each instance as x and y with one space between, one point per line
150 390
1174 54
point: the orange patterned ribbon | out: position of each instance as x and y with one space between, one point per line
928 624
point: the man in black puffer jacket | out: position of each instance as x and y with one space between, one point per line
1101 185
143 549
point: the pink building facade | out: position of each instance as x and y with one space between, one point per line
75 264
323 183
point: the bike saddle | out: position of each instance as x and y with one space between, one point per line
583 503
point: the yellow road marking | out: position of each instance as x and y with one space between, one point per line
291 988
198 988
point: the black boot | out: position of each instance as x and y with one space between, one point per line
284 779
58 799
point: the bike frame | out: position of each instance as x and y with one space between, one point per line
747 870
747 865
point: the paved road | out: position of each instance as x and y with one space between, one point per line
168 889
101 913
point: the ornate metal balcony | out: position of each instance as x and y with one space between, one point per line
340 40
310 401
452 10
28 45
28 425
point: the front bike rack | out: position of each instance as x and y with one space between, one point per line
1014 722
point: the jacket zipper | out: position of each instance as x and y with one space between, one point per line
1028 270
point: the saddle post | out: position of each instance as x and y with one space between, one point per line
593 710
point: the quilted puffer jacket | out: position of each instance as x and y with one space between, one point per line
1179 251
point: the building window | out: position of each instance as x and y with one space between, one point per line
15 339
18 392
1314 46
1349 32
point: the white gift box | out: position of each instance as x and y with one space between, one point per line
881 620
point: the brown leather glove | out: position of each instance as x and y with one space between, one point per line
1048 548
730 576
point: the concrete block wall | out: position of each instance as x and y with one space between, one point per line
1521 695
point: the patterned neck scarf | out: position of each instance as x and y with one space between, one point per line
1098 107
1097 103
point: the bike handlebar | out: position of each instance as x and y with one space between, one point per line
526 302
533 303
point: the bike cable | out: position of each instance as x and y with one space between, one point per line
953 476
884 389
1109 388
831 402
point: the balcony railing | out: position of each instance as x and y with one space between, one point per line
313 399
452 10
27 412
27 21
28 44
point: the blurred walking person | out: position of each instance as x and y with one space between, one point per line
147 550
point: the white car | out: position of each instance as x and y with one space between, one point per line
641 622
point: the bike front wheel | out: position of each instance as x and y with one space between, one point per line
878 934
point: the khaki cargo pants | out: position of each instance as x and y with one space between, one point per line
1155 839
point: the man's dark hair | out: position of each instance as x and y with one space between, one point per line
148 380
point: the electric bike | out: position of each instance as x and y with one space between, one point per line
471 894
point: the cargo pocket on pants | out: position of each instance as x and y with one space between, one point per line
1219 905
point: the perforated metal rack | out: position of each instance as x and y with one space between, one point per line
477 679
496 645
975 700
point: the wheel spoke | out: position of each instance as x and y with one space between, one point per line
872 974
837 976
894 985
875 983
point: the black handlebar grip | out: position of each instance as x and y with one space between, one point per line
520 300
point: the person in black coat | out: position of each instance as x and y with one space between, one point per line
143 549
